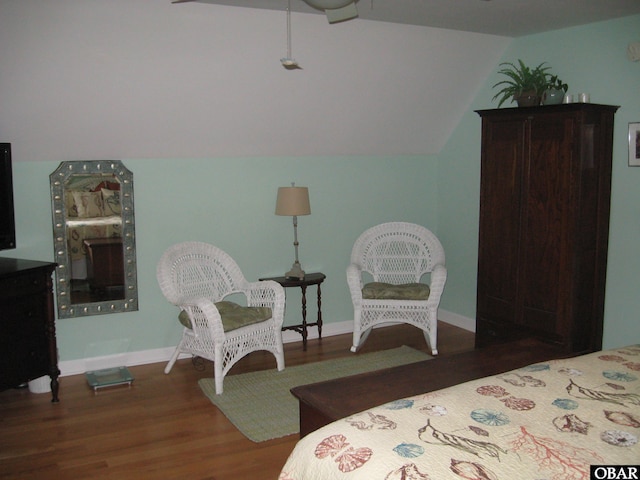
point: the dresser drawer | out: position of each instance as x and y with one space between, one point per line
23 285
23 316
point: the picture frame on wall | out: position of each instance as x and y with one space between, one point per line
634 144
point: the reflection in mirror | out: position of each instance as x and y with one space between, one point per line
94 238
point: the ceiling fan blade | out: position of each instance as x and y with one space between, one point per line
183 1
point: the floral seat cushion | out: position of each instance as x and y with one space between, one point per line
387 291
233 315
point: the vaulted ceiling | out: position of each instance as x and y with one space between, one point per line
510 18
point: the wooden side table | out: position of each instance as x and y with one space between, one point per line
309 279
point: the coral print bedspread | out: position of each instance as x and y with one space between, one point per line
549 420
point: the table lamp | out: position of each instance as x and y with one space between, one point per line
293 201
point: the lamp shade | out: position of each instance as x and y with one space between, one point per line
293 201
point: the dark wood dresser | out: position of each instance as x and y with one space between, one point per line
28 330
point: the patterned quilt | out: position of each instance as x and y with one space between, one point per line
549 420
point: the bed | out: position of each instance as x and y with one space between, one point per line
549 420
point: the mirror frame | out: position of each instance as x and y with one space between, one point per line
58 180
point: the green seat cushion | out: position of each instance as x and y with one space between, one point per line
387 291
233 315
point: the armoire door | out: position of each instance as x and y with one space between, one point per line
546 230
503 142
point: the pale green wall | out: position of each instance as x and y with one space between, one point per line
230 203
590 59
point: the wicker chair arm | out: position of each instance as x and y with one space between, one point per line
438 280
205 318
354 280
268 293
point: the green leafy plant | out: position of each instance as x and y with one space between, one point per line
521 79
554 83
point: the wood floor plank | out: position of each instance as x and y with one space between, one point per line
163 427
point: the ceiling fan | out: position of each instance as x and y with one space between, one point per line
336 10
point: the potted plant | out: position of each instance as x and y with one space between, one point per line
554 92
524 85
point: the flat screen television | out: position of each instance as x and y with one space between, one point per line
7 216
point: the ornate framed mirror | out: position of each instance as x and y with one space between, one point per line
94 238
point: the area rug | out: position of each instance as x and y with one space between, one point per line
260 404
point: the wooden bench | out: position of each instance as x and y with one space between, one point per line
325 402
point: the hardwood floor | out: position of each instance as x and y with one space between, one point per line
163 427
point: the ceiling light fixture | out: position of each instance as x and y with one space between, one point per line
289 62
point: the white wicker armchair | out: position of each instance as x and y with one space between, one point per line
197 276
396 254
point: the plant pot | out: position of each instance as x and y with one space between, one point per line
552 97
528 99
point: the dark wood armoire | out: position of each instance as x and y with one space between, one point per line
545 191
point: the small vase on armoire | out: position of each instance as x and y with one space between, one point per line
545 193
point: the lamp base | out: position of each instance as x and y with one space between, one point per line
295 272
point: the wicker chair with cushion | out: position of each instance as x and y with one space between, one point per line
389 265
198 277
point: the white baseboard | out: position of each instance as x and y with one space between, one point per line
161 355
456 320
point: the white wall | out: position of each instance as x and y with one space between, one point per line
83 79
